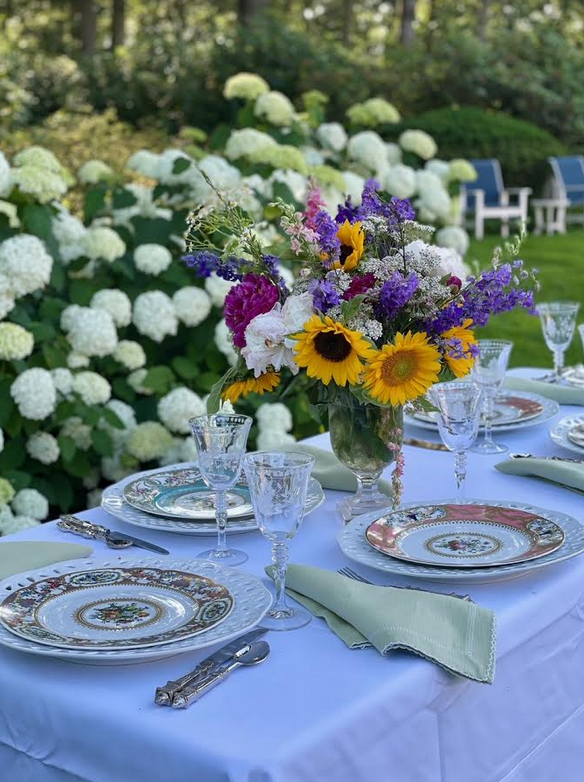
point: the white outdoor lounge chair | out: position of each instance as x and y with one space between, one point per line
488 199
568 184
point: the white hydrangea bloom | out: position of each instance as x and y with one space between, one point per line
367 148
92 479
34 393
274 415
274 107
400 181
43 184
11 212
9 523
245 85
332 198
149 440
30 502
313 156
260 185
5 176
129 353
78 431
1 440
90 332
94 498
43 447
102 243
222 174
77 360
439 167
15 342
126 415
354 185
462 171
191 305
218 288
393 153
454 237
113 470
177 407
116 303
145 162
436 201
451 263
224 342
294 181
154 315
332 135
419 142
63 380
136 381
7 301
270 439
287 275
26 263
247 142
39 157
152 258
145 206
94 171
92 388
68 230
166 174
188 448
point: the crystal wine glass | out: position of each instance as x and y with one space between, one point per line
488 372
558 321
278 483
221 441
458 405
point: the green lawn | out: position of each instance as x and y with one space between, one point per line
560 260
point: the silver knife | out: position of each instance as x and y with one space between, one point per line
165 694
114 539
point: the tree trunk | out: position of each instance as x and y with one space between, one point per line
407 22
247 8
484 19
347 21
88 27
118 23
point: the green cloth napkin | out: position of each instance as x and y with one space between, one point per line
568 474
456 634
564 395
329 471
18 556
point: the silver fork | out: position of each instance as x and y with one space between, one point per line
346 571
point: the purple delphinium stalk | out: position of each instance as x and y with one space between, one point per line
326 230
204 263
347 212
324 294
396 211
272 264
395 294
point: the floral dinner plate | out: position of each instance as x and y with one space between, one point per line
569 433
464 535
115 608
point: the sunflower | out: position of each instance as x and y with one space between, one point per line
352 241
266 382
330 351
403 371
460 365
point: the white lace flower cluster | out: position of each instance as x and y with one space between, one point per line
154 315
15 342
274 107
247 86
94 171
25 263
152 258
274 422
37 172
91 332
177 407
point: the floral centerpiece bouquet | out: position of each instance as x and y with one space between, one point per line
375 317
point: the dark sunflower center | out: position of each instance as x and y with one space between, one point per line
333 347
346 250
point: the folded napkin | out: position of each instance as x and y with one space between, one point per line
569 474
329 471
18 556
456 634
564 395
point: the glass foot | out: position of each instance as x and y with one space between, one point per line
288 618
489 448
356 505
230 556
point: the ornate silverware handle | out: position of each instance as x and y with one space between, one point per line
79 527
166 693
183 698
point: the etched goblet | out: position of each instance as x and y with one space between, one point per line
558 321
488 373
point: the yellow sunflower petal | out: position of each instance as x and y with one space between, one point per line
461 366
266 382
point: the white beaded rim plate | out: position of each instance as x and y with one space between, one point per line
548 408
182 494
114 503
463 536
354 545
568 432
115 608
251 600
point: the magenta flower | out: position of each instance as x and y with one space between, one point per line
359 285
253 296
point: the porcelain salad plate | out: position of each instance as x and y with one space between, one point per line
569 433
115 608
247 600
355 546
464 536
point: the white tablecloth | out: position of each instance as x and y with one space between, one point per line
316 711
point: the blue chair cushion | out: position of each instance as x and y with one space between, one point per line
571 170
488 180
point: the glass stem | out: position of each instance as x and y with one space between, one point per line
221 518
280 560
460 473
489 412
367 485
558 364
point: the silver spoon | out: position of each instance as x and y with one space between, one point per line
252 655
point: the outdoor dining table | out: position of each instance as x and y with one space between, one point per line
317 711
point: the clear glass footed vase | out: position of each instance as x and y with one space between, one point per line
366 438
